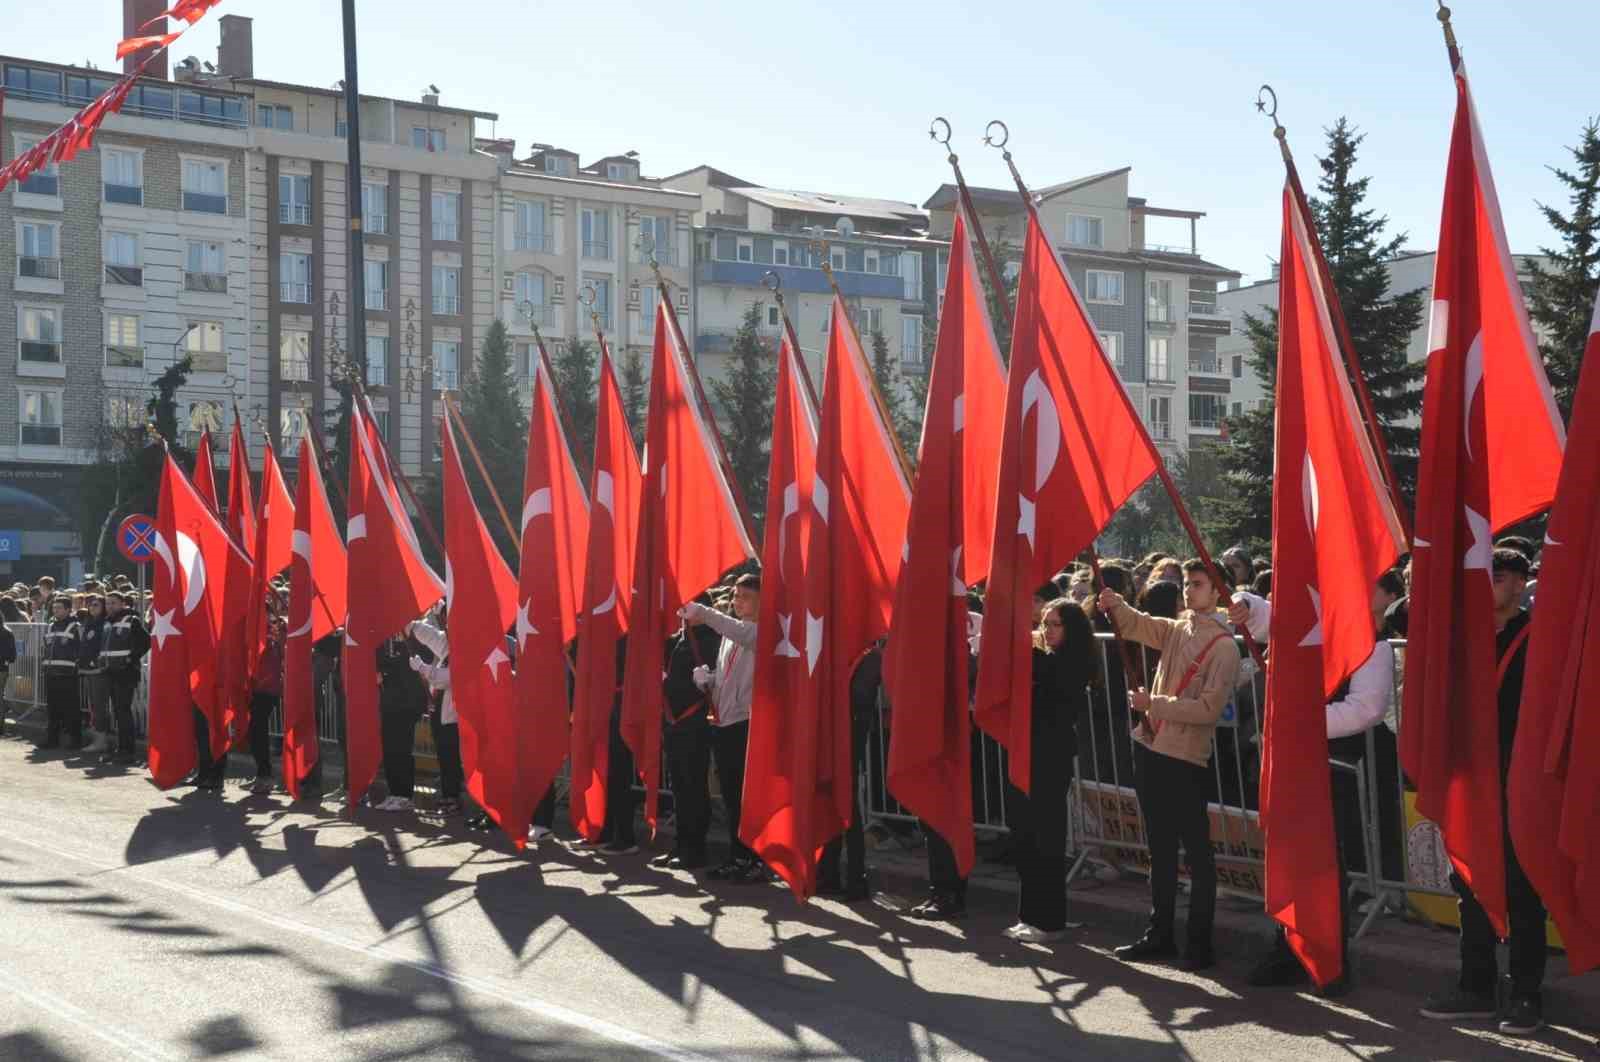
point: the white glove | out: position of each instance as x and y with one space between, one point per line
703 677
417 664
974 631
691 612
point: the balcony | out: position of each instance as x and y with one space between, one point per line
446 230
444 379
1207 424
1206 308
294 213
131 276
447 305
1161 430
536 242
1159 316
126 194
375 224
799 278
376 299
1207 365
206 283
38 268
203 203
207 360
535 315
124 357
39 352
289 292
294 370
599 250
377 372
667 256
41 184
1206 318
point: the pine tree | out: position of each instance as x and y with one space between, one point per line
1562 300
635 394
746 395
491 410
574 367
907 424
1244 513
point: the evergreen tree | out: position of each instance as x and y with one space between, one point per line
1562 300
491 409
574 367
746 395
635 394
906 421
1244 512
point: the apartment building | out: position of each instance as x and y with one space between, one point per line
878 249
1154 304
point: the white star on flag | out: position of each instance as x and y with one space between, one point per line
1481 553
1315 635
164 629
525 627
785 646
496 659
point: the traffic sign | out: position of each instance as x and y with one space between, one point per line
136 538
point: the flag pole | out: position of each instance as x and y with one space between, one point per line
1184 516
477 460
1352 359
354 377
1451 48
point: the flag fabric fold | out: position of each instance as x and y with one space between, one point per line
205 472
241 513
948 537
1491 450
318 573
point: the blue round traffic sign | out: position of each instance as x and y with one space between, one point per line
136 538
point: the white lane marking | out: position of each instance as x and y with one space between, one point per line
127 1044
554 1012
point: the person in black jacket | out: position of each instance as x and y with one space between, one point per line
1063 666
62 650
847 878
122 648
91 674
9 613
402 701
688 739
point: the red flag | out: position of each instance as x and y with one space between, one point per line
1334 531
317 587
481 594
241 514
613 527
191 610
1491 454
774 763
205 472
692 528
555 527
130 45
235 642
1058 484
1554 788
856 534
381 540
273 542
948 540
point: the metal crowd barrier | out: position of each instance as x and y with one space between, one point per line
24 689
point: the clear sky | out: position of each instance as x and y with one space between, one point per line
836 95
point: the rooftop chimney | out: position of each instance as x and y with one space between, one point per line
135 13
236 53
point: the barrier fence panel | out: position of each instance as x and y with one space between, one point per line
24 691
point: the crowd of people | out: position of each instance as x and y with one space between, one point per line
1149 716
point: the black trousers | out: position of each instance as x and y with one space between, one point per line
728 744
262 705
447 746
943 877
853 872
621 800
1525 914
1172 798
207 770
398 730
689 763
545 813
123 687
1347 802
61 702
1039 837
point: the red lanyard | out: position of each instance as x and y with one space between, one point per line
1188 676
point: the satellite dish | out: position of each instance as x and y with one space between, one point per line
845 226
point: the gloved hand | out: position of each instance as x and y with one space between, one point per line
417 664
974 631
703 677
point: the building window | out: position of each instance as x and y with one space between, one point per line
1206 411
377 360
203 416
446 364
376 284
341 126
941 265
746 251
1085 231
1237 409
1238 366
380 418
596 223
271 116
38 251
122 259
780 252
205 186
602 297
375 208
122 176
292 424
25 83
294 198
649 300
910 266
528 232
1158 306
204 270
39 335
123 350
869 322
446 214
203 344
616 171
1158 365
123 412
773 318
294 277
40 416
426 139
46 180
294 356
1161 418
446 290
1112 342
655 238
911 339
837 259
1102 286
530 296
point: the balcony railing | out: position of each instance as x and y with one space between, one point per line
539 315
1213 423
207 360
41 184
1211 366
377 372
294 213
209 283
375 224
1161 429
597 249
202 203
288 292
377 299
40 352
444 379
126 194
1158 313
447 305
294 370
541 242
133 276
124 357
39 268
446 230
1167 248
1206 308
667 256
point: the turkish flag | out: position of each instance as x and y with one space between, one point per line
1554 788
318 571
481 594
1072 450
782 750
692 529
1491 454
389 585
613 526
241 514
555 529
1334 532
273 545
205 472
197 563
949 535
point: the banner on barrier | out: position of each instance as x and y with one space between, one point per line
1109 819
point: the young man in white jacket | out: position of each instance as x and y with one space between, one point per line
446 732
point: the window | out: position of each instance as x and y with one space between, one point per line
746 250
294 277
602 297
39 335
123 350
376 284
871 260
122 175
1206 411
446 358
205 186
780 252
1085 231
292 424
528 232
204 270
1159 366
1238 366
446 290
911 339
529 288
377 360
41 416
45 180
1238 409
269 116
380 418
773 317
1159 303
122 259
560 165
836 259
294 356
649 300
1161 418
596 233
910 265
616 171
341 126
427 139
655 237
203 344
445 210
29 84
38 252
941 264
1101 286
375 208
1112 342
125 412
216 110
205 416
869 322
294 198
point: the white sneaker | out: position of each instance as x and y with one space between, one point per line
396 803
1029 935
1013 931
538 833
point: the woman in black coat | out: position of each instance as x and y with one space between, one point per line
1064 664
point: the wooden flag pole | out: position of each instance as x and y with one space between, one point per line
477 459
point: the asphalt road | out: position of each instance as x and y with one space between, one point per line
149 925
